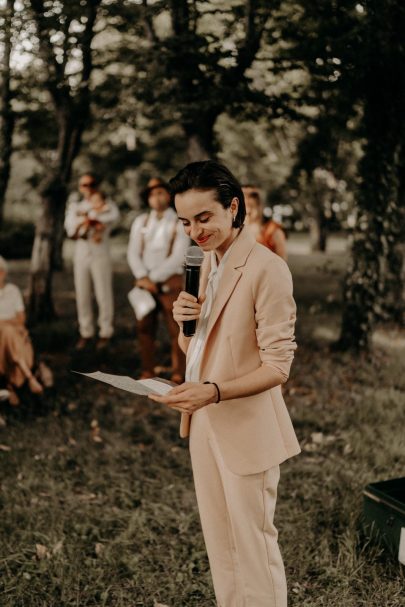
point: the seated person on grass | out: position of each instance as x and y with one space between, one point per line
16 351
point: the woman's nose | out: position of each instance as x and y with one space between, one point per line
195 232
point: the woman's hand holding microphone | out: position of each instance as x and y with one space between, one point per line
187 307
190 396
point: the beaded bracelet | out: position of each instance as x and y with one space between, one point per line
216 386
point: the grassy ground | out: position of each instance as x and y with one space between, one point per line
97 503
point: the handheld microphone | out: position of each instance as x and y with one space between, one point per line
194 259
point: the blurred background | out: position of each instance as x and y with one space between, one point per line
304 100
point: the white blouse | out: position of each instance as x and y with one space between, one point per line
11 302
149 247
75 216
196 345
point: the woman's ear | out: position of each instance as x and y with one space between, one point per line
234 206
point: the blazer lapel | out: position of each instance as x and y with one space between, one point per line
238 255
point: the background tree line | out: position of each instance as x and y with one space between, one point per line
305 99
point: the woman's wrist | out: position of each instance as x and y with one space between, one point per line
217 393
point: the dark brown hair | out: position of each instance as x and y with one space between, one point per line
210 175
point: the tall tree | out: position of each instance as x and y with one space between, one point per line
321 41
354 54
198 57
6 112
64 33
380 202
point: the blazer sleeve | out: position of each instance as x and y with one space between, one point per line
275 315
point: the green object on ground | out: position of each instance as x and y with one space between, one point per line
384 514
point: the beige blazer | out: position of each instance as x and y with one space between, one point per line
251 324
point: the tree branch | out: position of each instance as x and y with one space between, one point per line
180 17
255 22
148 22
87 37
56 84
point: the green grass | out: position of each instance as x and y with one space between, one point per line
102 482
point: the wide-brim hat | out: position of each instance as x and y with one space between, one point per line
153 184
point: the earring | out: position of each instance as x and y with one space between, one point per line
234 221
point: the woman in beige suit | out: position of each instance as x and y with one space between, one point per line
231 403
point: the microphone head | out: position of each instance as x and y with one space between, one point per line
194 256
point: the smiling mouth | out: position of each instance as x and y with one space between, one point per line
203 240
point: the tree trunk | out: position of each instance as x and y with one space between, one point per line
72 113
6 113
364 285
318 232
44 252
195 149
47 250
379 207
395 275
201 141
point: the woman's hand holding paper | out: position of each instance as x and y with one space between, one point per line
188 397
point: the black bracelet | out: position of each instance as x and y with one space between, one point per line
216 386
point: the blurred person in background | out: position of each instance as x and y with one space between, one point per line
16 351
89 223
156 251
269 233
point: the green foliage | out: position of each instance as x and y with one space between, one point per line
281 91
200 60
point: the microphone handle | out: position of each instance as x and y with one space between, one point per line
192 286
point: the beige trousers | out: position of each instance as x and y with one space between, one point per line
92 268
237 521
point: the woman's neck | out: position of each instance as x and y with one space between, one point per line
222 249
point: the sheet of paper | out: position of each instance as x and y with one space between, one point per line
142 387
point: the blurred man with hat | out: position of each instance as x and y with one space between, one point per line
156 250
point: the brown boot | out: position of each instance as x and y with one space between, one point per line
82 343
102 343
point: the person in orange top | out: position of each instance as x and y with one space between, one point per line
270 233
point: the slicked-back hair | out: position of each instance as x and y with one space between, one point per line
210 175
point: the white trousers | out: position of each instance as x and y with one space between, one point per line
237 521
92 265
